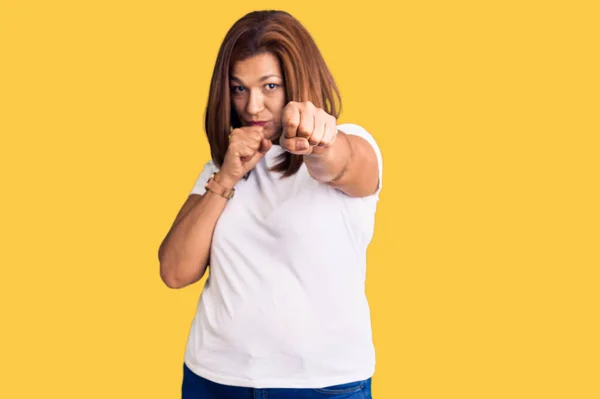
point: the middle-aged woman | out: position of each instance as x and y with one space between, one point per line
282 215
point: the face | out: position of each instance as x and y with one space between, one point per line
258 93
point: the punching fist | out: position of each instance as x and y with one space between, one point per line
306 128
247 146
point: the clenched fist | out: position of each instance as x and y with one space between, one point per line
247 146
306 128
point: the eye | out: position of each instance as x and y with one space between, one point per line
272 86
237 89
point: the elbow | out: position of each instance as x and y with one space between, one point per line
176 276
171 280
176 272
168 275
173 283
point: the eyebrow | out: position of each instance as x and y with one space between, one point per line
261 79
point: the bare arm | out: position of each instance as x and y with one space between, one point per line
347 162
350 165
185 251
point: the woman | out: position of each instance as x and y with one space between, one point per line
283 213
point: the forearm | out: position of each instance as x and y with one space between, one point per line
185 251
331 164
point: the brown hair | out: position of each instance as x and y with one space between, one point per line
305 74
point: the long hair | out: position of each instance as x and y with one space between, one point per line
305 74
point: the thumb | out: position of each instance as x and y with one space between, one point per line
265 146
296 145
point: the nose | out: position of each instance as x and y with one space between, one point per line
255 102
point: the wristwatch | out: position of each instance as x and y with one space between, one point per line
218 189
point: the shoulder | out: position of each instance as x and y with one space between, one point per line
358 130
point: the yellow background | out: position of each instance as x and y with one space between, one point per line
483 273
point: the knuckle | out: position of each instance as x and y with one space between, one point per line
290 107
303 129
313 140
292 122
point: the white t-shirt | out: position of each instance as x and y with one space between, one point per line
284 304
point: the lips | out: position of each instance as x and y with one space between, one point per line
257 123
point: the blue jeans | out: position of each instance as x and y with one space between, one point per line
196 387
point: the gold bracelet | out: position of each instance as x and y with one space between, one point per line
218 189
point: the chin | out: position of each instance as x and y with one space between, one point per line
274 136
270 133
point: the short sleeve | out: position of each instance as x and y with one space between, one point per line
205 174
353 129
